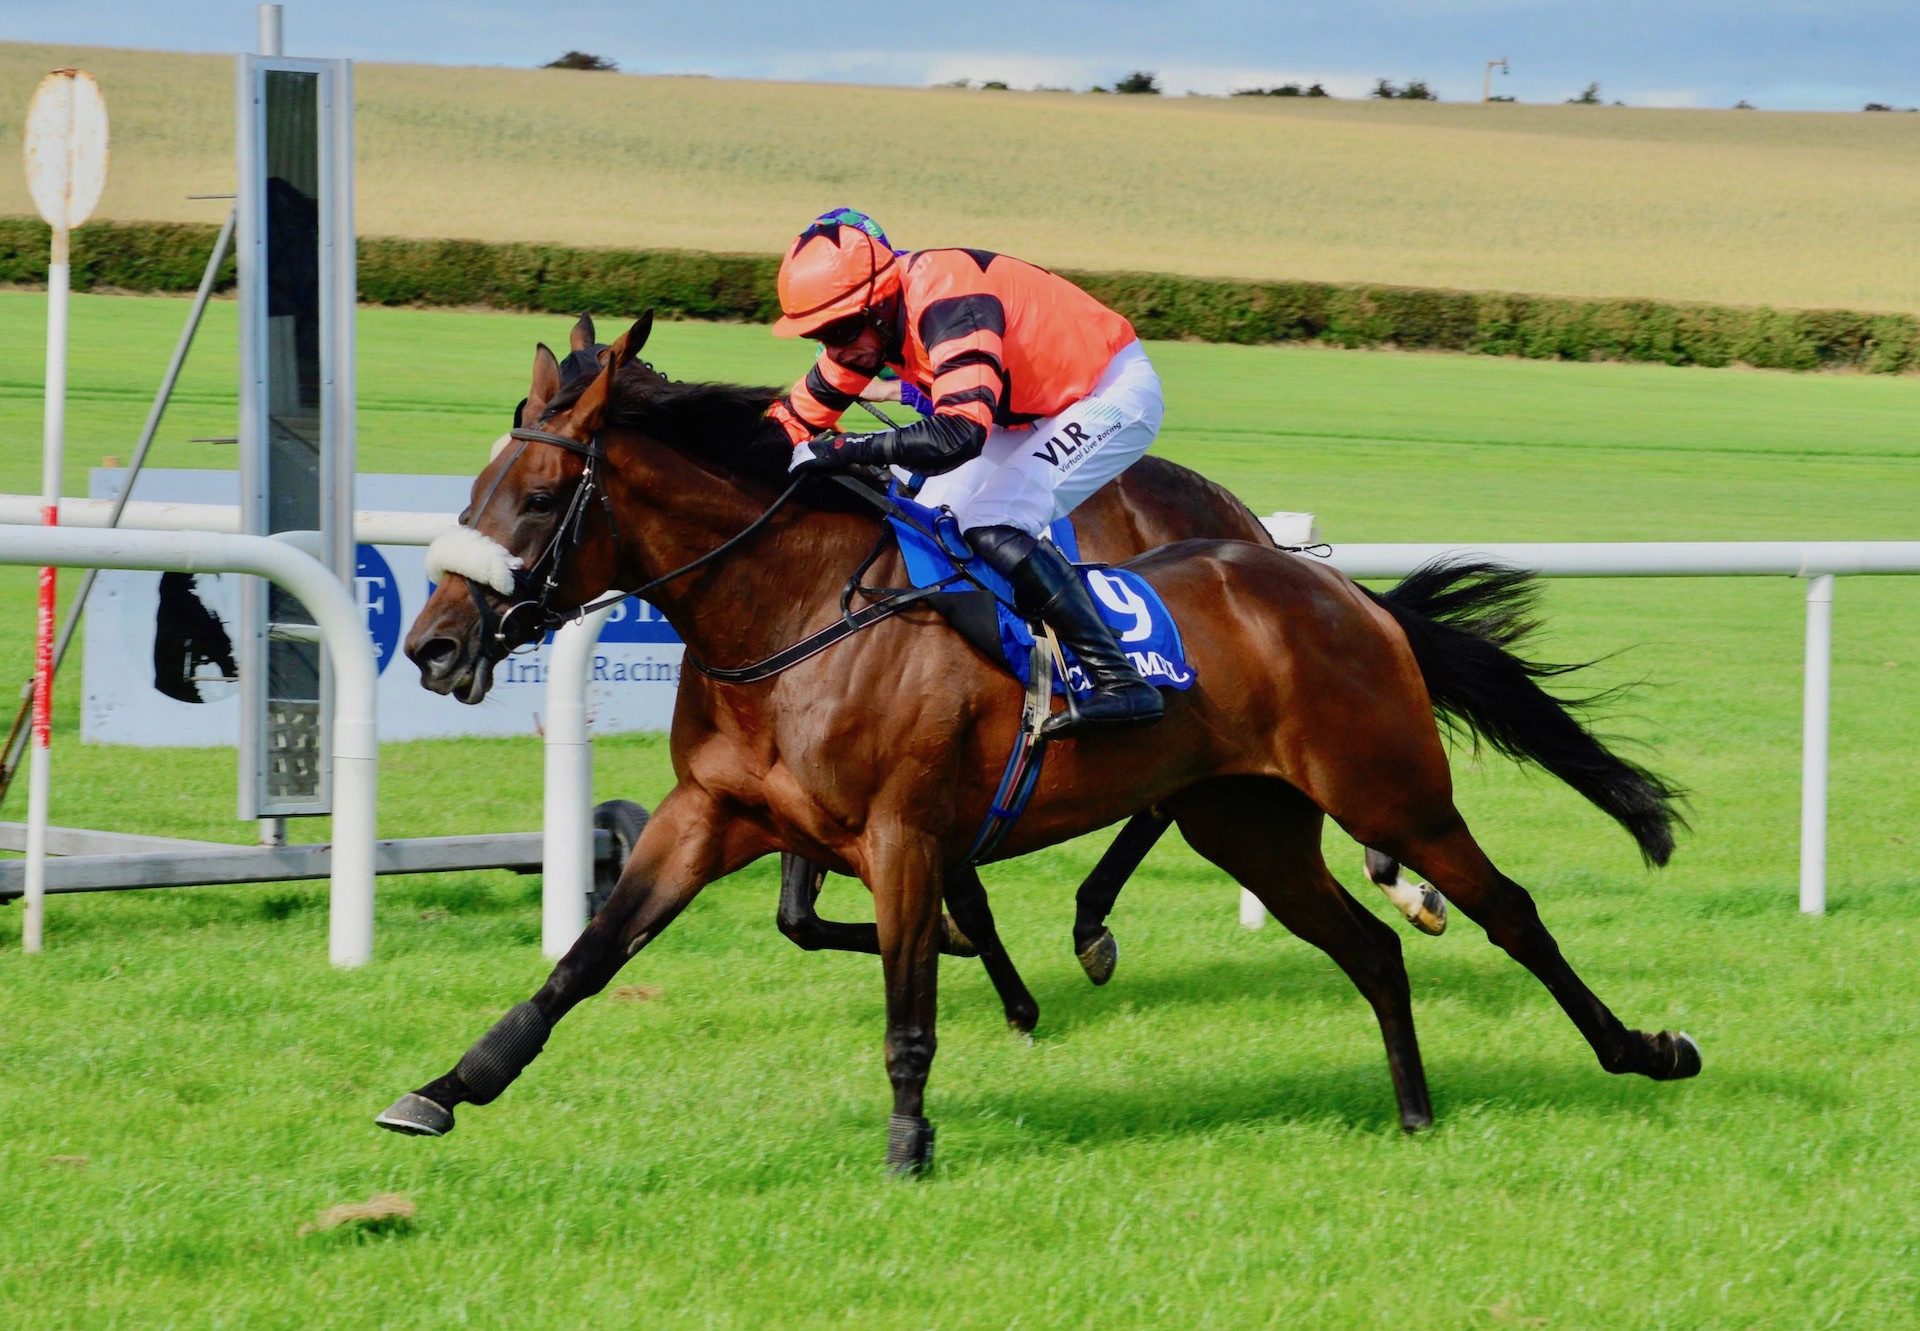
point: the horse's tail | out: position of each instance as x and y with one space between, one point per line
1465 620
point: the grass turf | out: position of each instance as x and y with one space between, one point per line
1210 1140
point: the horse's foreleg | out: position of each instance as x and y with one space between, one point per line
1093 942
1459 868
799 919
967 899
681 851
904 873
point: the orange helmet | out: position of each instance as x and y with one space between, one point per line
832 272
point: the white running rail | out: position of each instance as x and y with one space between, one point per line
569 754
1820 562
342 628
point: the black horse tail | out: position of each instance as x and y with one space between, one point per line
1465 620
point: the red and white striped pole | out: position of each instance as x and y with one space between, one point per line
66 155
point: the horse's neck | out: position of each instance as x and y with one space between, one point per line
774 589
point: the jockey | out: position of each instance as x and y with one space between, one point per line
1040 396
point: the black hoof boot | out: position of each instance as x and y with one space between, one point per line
416 1116
1682 1053
909 1145
1099 957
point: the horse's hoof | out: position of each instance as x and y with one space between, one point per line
416 1116
1099 957
1684 1053
909 1145
956 943
1430 917
1415 1123
1023 1017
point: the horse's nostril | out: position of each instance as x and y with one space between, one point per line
435 654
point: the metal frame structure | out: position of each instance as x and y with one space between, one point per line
268 487
343 634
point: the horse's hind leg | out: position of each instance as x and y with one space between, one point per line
1425 909
1093 942
1267 835
1455 864
799 919
967 899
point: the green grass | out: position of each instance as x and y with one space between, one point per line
1208 1141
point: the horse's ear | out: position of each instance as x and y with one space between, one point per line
590 408
628 344
582 336
546 382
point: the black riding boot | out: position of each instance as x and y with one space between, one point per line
1046 588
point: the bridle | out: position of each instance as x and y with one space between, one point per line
496 640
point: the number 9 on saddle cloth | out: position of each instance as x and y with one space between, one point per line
935 552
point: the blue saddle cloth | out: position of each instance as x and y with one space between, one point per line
1134 611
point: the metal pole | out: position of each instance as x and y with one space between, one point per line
343 630
53 438
1813 748
567 823
270 34
10 763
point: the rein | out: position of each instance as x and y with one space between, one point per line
567 535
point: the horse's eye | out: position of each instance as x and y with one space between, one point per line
540 501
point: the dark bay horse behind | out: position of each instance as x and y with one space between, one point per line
878 758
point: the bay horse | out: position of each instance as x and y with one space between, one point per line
1153 503
878 757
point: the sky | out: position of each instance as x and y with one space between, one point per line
1815 55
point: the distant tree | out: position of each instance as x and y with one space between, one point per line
1279 90
1589 97
583 60
1743 105
1140 81
994 85
1099 88
1876 106
1416 90
1500 98
1315 90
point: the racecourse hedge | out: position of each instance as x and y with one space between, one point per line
157 256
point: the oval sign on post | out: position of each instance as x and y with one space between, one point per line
66 147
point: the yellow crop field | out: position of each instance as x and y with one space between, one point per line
1735 206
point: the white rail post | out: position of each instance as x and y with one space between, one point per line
566 858
1813 748
1253 914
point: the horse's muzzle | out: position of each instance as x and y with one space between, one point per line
451 662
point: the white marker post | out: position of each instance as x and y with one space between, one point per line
66 156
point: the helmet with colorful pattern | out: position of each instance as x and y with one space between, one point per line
840 266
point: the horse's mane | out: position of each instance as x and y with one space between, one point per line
723 425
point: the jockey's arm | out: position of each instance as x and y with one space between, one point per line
964 345
816 402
